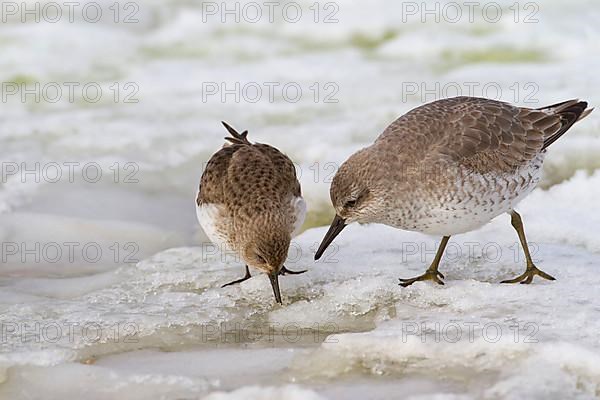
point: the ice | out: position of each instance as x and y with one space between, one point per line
267 393
70 245
97 383
165 328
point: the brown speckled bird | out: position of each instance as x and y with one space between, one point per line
449 167
249 202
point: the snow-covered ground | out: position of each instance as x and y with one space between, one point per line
165 329
109 289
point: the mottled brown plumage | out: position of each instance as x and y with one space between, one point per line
249 201
481 134
449 166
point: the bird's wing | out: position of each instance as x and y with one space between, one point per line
286 170
481 134
211 190
259 177
236 170
288 182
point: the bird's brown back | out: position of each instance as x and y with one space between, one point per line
248 177
480 134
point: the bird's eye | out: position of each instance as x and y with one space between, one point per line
350 204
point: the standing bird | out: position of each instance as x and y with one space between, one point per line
449 167
249 202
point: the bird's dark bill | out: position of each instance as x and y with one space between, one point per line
275 284
337 225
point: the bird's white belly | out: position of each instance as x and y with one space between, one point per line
299 210
464 218
211 220
477 202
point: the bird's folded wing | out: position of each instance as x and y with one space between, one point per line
480 134
211 189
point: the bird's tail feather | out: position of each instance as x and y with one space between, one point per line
236 137
570 112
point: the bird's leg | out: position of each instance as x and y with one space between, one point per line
245 278
285 271
532 270
432 273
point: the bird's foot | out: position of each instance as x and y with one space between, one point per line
245 278
285 271
527 276
429 275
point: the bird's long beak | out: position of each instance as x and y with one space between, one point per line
274 277
337 225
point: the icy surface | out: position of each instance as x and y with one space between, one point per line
165 329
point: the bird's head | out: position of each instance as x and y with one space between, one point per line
267 250
354 195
